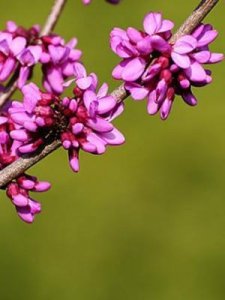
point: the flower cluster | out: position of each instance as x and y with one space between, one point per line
153 67
18 190
83 120
21 49
58 59
16 43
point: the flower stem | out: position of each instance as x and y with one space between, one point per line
22 164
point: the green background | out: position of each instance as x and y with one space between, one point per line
145 220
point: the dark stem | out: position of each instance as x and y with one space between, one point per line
47 28
22 164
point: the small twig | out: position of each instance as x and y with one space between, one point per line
53 17
47 28
19 166
24 163
194 19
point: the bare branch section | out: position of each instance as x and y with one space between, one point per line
53 17
194 19
24 163
47 28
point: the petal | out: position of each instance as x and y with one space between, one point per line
23 76
42 186
17 45
165 109
31 96
55 79
99 125
189 98
182 61
134 35
134 69
7 69
215 58
207 38
25 214
152 106
89 97
102 92
97 141
20 200
79 70
185 44
137 91
84 83
58 53
159 44
196 72
152 23
106 104
113 138
202 56
166 26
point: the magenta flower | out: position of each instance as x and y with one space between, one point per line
34 118
82 121
29 57
14 51
89 119
135 47
58 59
168 70
18 190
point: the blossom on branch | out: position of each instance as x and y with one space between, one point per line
82 121
18 190
14 53
152 67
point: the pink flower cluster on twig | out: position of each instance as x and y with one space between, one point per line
22 49
152 67
18 190
82 122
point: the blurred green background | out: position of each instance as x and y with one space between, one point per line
144 221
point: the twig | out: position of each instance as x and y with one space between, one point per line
47 28
194 19
22 164
53 17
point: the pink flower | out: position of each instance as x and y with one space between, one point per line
83 121
89 120
135 47
15 51
18 190
58 60
168 70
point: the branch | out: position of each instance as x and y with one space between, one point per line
53 17
22 164
47 28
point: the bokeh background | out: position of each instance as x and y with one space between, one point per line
146 220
